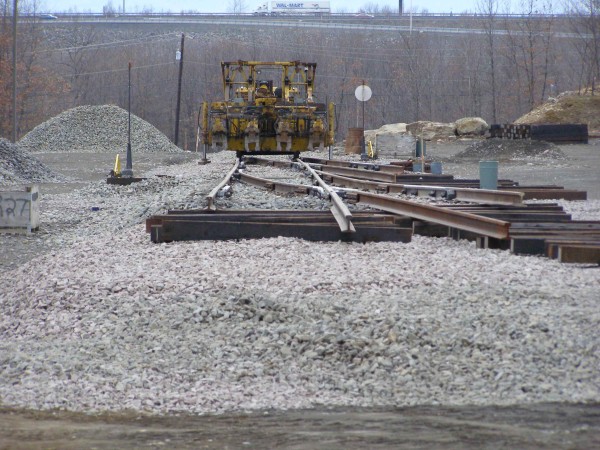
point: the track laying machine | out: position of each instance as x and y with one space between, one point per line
268 108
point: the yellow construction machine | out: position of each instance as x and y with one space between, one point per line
267 108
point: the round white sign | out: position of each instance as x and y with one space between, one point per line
363 93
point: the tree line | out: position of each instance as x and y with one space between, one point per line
503 71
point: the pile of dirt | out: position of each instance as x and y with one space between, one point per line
568 107
503 149
18 166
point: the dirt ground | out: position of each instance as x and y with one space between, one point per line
546 426
549 426
580 169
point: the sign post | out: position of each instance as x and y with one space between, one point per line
363 93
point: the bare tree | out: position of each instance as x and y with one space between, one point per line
78 60
370 8
237 6
530 47
34 80
489 9
586 23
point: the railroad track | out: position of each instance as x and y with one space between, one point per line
364 171
492 218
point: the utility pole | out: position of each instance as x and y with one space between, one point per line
128 172
176 140
14 70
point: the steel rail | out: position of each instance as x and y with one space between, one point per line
465 194
269 162
483 226
276 186
360 173
488 196
390 168
385 176
210 198
456 219
340 211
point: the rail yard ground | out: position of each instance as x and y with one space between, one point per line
111 341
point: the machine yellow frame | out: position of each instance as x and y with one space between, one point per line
262 115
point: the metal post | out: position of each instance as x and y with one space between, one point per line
14 68
176 139
363 155
128 172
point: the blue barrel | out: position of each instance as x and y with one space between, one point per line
436 168
417 167
488 174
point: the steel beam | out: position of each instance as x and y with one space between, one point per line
579 254
181 225
483 226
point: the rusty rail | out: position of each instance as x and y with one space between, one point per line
493 197
455 219
483 226
277 186
210 198
340 211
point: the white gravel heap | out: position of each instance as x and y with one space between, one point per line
17 166
512 149
106 320
95 129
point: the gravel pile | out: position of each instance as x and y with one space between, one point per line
512 149
95 129
17 166
106 320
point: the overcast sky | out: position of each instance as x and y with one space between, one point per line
222 6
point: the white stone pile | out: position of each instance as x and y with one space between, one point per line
18 166
105 320
95 129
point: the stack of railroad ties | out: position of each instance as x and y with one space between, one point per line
493 218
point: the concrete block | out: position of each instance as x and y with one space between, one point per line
19 210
